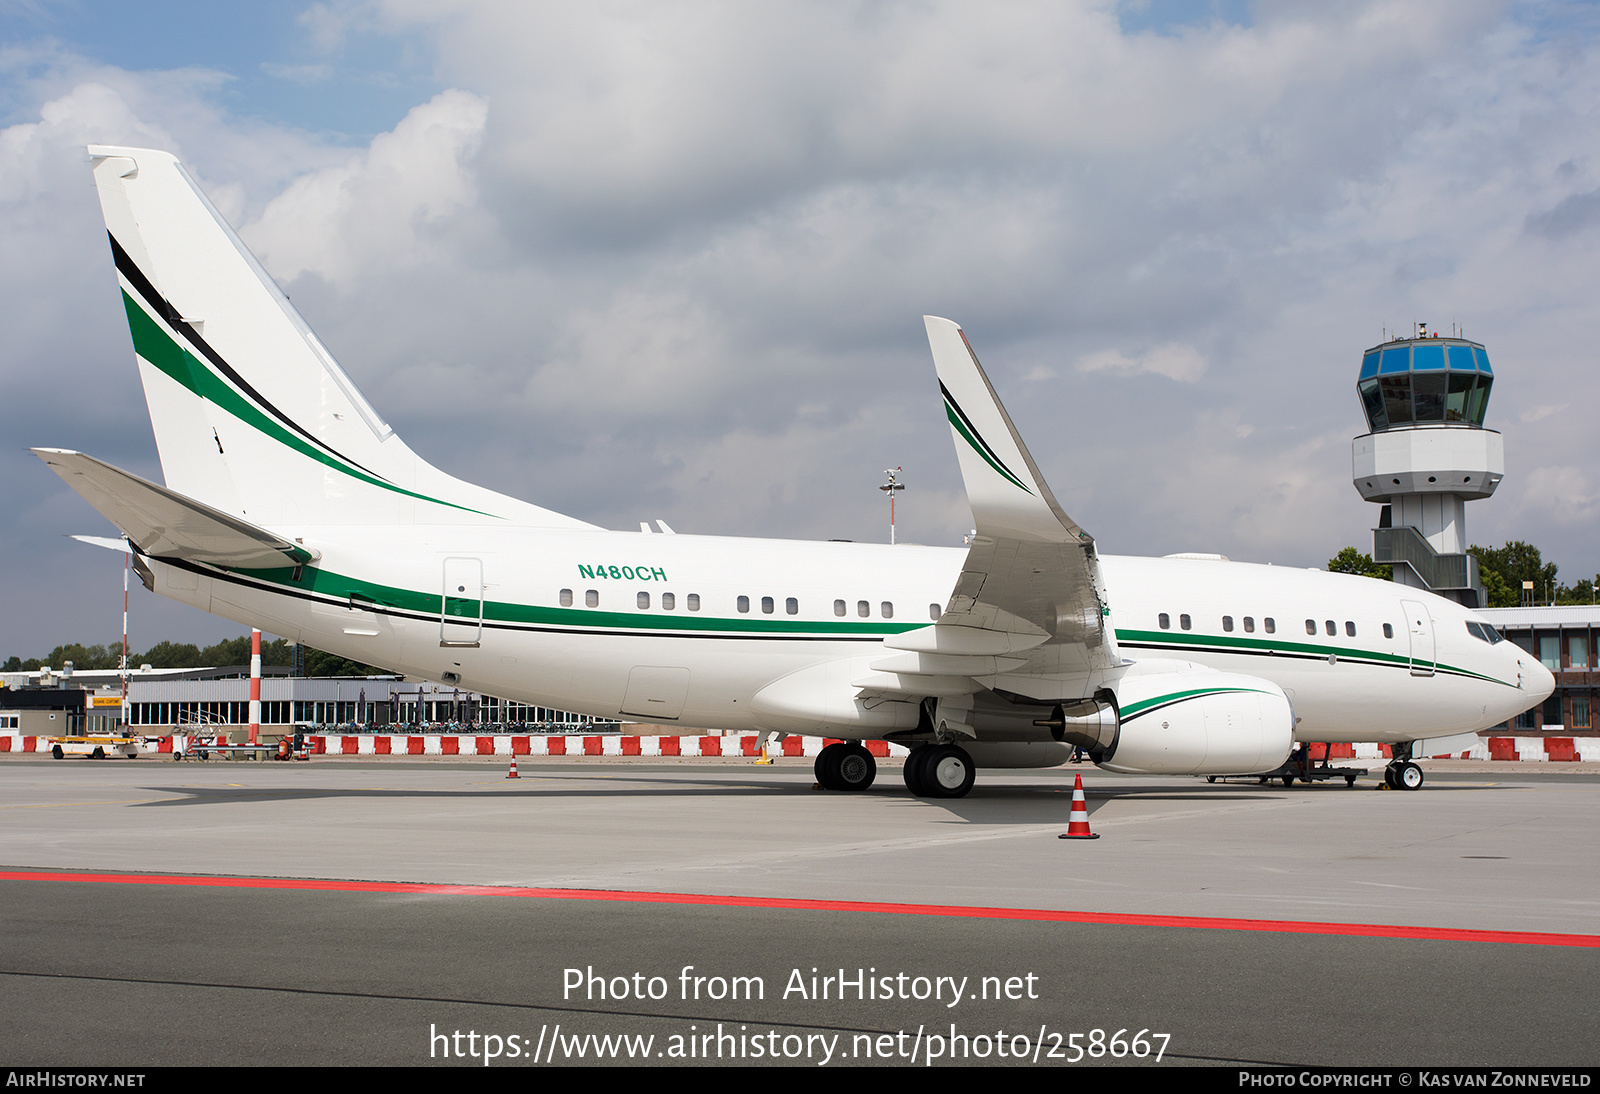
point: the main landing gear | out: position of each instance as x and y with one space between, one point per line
846 765
939 771
1402 774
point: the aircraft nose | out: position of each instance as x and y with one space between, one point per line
1538 681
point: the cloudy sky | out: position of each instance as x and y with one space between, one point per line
637 260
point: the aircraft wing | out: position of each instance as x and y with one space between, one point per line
162 523
1029 612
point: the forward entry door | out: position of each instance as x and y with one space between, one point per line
461 610
1420 626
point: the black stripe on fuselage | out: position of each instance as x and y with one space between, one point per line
498 625
163 307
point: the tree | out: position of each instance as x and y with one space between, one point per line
1352 561
1513 564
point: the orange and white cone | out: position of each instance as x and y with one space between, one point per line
1078 821
513 774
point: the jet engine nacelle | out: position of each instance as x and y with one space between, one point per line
1199 722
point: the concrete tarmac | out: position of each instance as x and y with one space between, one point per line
117 973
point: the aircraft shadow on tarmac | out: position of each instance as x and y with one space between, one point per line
994 803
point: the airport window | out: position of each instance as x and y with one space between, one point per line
1270 625
1165 621
1183 621
1550 652
591 599
643 600
1332 627
1580 712
933 612
1249 625
863 609
1311 626
1578 651
566 598
838 607
668 602
693 602
744 605
1349 629
888 609
766 605
791 606
1388 631
1227 623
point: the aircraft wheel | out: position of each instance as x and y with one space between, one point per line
1389 777
56 752
948 772
855 768
912 771
827 767
1409 777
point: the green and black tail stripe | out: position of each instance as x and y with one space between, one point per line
163 307
1161 702
156 346
969 432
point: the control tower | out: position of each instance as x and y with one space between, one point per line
1426 456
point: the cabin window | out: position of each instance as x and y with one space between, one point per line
566 598
1332 627
693 601
668 602
1227 623
863 609
1388 631
887 607
933 612
766 605
1269 625
838 607
1311 626
1183 621
591 599
1349 629
643 600
1165 621
1249 625
791 606
744 605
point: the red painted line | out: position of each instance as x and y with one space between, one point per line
955 911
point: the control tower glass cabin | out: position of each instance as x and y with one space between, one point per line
1426 456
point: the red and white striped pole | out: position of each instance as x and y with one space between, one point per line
255 684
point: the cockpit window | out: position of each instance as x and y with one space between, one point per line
1484 632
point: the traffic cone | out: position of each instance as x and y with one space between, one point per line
1078 820
513 774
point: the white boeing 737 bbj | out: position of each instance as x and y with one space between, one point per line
291 506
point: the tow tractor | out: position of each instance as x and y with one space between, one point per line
1300 765
97 747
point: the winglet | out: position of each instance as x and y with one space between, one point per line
1009 497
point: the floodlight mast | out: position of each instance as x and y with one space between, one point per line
891 488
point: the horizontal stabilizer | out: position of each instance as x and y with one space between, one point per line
161 523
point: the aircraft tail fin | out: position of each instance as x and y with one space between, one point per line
252 415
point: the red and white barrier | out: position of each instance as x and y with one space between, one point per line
1553 749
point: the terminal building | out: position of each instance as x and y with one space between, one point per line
162 702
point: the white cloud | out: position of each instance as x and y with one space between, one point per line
1172 360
